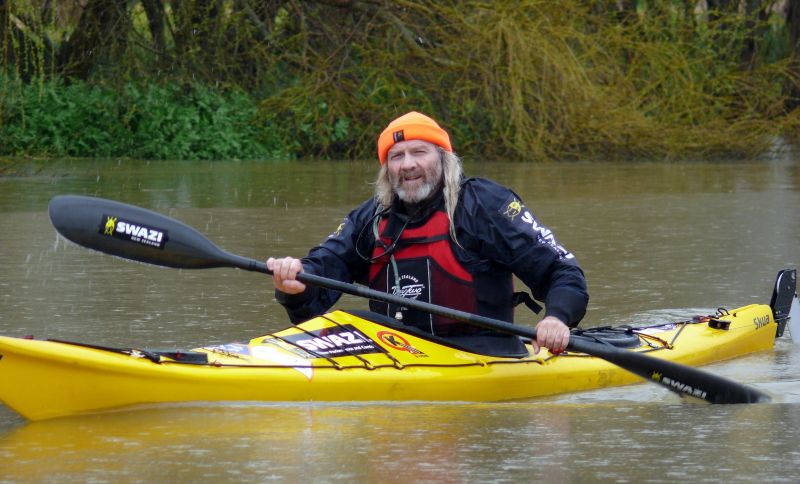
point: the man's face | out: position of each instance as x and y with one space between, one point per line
415 169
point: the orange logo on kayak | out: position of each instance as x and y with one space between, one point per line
397 342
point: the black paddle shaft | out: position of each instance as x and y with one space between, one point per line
143 235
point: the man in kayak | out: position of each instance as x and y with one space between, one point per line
433 235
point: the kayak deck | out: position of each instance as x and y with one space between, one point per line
343 357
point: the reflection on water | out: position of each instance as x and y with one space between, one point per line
658 242
398 443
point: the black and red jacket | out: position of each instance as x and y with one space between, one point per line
497 237
414 258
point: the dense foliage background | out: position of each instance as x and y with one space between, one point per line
522 80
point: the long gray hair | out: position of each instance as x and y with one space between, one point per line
452 172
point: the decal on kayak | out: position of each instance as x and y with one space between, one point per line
291 348
761 321
398 342
275 355
230 349
653 330
133 232
343 340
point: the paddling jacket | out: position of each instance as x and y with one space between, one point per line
497 237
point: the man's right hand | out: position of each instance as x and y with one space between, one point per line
284 274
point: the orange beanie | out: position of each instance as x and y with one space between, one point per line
410 126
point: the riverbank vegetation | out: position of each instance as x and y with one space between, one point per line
522 80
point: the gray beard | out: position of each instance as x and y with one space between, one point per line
423 193
432 183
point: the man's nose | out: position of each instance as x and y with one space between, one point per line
408 162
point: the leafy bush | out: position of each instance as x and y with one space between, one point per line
143 121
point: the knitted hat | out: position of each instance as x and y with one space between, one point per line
410 126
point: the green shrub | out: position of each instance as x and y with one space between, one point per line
143 121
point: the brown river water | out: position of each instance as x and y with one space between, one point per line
658 242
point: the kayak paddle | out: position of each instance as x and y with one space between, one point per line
139 234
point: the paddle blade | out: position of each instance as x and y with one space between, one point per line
681 379
134 233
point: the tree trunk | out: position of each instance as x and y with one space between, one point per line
196 27
4 41
793 22
24 47
154 9
100 38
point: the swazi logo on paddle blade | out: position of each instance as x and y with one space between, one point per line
133 232
678 386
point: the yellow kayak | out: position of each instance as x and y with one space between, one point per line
360 356
342 356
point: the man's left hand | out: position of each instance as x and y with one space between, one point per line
551 333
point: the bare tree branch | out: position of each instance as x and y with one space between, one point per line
411 39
